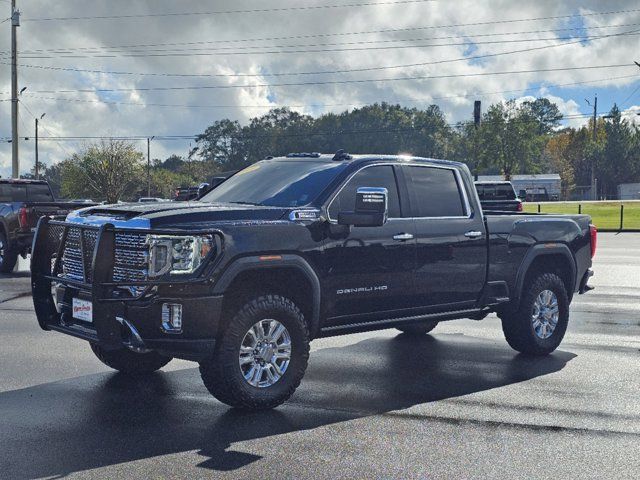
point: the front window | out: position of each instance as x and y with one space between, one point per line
278 183
377 176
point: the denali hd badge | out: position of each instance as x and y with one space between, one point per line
344 291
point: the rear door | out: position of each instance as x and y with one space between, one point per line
369 270
451 238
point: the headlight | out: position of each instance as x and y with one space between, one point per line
177 254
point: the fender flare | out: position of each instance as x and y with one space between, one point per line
542 250
244 264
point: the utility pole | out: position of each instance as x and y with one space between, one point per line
594 193
149 165
37 161
37 166
15 23
477 107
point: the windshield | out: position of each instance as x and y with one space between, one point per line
287 183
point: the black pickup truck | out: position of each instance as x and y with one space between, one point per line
22 203
498 197
300 247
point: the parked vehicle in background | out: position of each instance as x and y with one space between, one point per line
301 247
22 203
205 188
498 196
82 201
184 194
535 195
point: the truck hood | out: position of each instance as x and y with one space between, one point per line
173 214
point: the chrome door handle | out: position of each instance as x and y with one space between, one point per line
473 234
401 237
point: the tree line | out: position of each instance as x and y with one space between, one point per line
512 137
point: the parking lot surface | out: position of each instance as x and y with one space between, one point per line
458 403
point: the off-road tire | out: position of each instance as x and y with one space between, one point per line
221 372
130 362
419 328
518 327
9 257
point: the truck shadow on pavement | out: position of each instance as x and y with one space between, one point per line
105 419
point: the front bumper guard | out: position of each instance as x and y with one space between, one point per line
108 328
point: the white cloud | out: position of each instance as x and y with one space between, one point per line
82 113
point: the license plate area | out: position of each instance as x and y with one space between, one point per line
82 310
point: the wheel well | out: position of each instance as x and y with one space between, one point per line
288 282
552 263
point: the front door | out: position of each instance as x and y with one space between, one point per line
369 270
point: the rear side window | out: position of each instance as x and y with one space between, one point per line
435 192
13 192
39 193
378 176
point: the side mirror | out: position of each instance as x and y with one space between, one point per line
370 209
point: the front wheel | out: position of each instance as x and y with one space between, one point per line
539 324
261 358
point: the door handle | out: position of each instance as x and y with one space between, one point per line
401 237
473 234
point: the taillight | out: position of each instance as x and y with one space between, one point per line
519 207
23 217
594 239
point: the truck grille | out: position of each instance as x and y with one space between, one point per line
131 256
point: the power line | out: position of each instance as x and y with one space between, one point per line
61 147
331 82
319 7
321 50
223 50
225 12
300 134
126 48
325 105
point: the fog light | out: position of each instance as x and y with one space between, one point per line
172 317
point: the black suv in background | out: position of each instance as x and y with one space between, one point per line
300 247
498 196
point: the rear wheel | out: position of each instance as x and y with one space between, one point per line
419 328
539 324
261 358
130 362
8 256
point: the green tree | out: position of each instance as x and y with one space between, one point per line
618 159
111 170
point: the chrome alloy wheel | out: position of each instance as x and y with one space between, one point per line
1 250
265 353
545 314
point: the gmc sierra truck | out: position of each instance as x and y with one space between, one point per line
22 203
300 247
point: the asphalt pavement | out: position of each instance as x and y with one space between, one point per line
455 404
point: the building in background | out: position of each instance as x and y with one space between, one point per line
532 188
629 191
